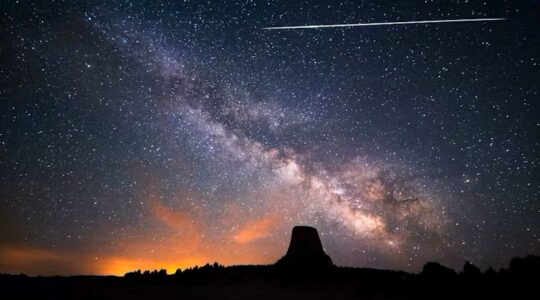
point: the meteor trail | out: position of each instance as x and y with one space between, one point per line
384 23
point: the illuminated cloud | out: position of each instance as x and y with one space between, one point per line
43 261
256 229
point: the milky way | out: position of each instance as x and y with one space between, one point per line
170 135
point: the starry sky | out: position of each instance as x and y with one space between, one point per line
149 134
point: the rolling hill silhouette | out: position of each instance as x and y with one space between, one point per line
304 272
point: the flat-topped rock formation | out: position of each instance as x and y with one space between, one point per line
305 250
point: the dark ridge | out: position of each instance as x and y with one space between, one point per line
305 272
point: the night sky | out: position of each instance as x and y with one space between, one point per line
139 134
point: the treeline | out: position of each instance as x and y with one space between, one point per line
162 273
517 281
519 266
435 281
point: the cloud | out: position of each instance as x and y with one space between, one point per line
43 261
172 218
256 229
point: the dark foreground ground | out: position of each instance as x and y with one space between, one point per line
520 281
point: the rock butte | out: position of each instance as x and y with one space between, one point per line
305 250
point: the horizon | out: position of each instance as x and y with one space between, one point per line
171 267
171 270
142 135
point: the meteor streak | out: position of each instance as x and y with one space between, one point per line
385 23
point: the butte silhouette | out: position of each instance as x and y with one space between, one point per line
305 250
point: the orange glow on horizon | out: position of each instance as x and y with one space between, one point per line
185 241
39 261
122 265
